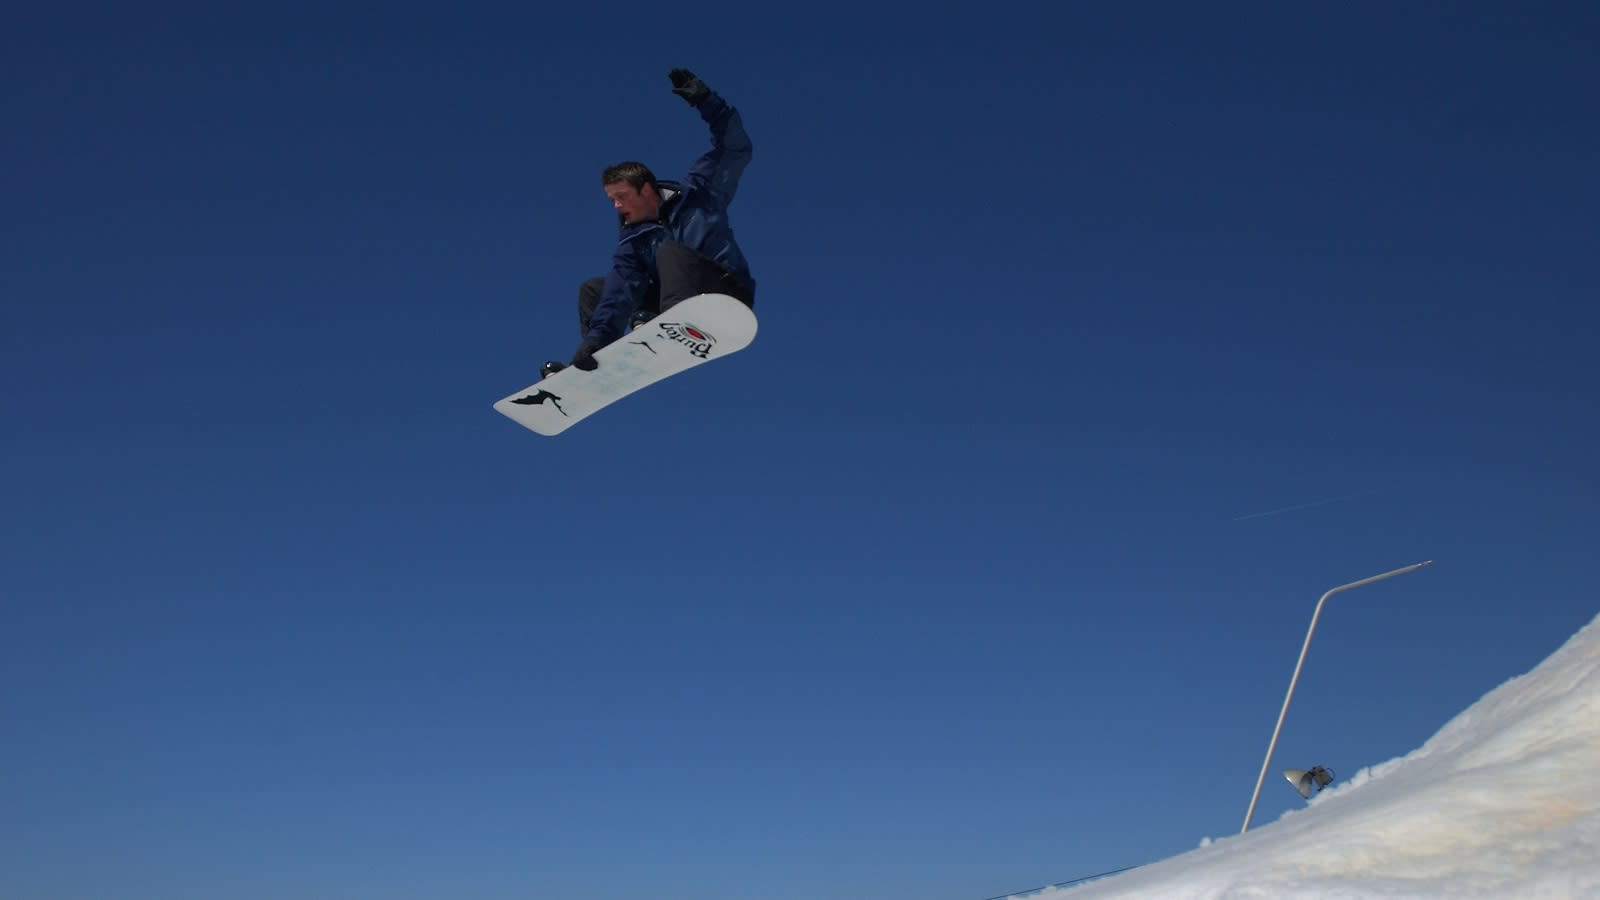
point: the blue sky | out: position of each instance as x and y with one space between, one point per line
957 582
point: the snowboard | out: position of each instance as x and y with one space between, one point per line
691 333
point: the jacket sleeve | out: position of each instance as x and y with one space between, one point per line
717 172
626 286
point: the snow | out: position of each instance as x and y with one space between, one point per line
1504 801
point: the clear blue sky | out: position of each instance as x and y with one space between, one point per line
1096 344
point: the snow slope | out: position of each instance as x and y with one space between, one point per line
1504 801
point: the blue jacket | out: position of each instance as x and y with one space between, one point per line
693 212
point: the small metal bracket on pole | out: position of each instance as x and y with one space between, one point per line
1272 745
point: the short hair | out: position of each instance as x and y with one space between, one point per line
635 173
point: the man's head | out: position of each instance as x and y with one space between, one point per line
632 189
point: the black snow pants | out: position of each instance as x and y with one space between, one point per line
681 273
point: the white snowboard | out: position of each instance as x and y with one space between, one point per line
700 329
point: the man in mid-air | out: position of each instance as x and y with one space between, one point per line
675 240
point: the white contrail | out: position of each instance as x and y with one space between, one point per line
1275 512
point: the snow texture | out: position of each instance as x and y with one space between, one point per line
1504 801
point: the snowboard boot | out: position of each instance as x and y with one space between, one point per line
639 318
550 368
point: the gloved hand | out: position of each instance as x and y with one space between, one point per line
583 359
689 86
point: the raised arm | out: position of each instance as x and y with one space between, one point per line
718 170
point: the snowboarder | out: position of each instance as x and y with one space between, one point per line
675 239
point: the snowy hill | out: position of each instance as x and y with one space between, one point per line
1503 802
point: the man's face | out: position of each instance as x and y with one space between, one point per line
634 204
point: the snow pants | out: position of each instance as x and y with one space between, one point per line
681 273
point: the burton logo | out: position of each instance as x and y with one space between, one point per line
540 398
698 341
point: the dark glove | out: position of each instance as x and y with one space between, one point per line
689 86
583 359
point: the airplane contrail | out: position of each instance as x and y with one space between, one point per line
1298 506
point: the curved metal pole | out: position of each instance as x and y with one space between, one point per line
1272 745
